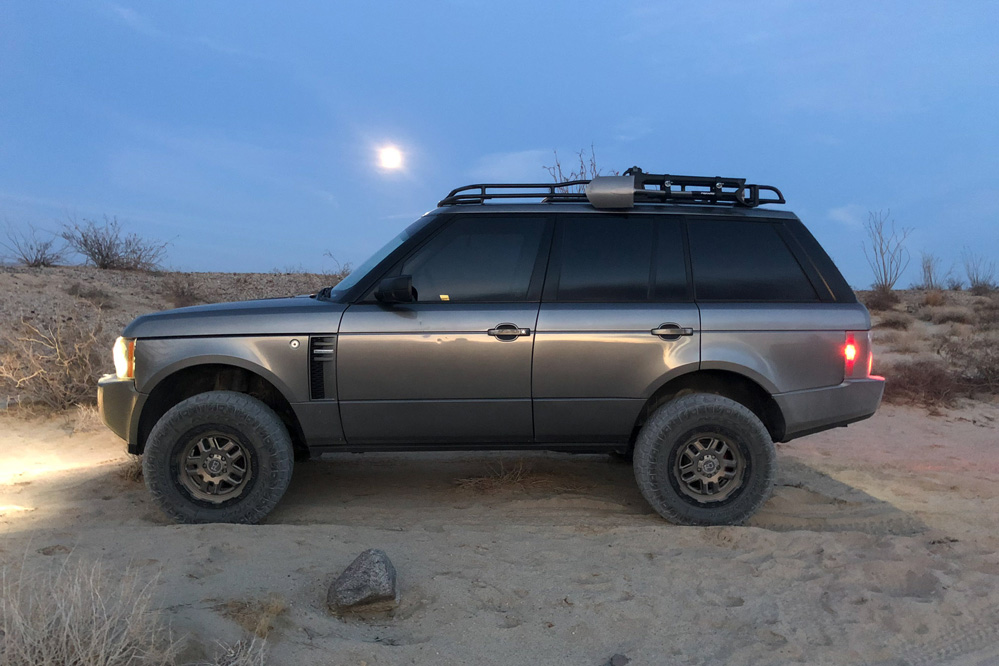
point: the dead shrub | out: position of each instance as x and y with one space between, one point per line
951 316
934 298
927 382
54 365
987 314
180 293
98 297
980 271
898 321
107 246
879 300
241 653
80 614
29 249
955 284
131 469
975 360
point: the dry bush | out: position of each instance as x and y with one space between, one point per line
586 170
80 615
987 315
54 365
975 361
887 255
98 297
951 315
878 301
28 249
180 293
898 321
87 419
932 277
934 298
927 382
107 246
980 271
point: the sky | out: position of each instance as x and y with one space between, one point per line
246 134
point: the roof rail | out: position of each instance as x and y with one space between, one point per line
624 191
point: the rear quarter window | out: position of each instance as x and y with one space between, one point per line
740 260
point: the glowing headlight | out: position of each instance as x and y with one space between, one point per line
124 358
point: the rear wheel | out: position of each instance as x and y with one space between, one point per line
705 460
219 456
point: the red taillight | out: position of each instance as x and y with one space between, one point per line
857 356
850 353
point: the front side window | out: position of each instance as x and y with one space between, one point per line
477 260
737 260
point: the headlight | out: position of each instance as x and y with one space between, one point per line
124 358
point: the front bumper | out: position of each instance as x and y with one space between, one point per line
119 404
807 412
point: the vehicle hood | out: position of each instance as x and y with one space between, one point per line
272 316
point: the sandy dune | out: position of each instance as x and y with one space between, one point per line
878 547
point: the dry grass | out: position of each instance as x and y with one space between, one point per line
54 365
934 298
901 342
898 321
256 616
242 653
520 476
87 419
80 615
974 360
131 469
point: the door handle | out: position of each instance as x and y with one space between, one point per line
508 331
671 331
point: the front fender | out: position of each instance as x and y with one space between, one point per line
275 358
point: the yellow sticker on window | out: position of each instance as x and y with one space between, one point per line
445 297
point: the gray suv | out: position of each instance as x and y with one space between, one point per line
668 318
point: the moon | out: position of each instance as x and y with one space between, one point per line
390 157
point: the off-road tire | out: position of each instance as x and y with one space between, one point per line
677 423
262 438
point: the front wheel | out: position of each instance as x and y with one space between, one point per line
704 459
218 457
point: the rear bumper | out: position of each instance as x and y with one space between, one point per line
119 403
807 412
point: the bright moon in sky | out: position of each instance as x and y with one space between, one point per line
390 157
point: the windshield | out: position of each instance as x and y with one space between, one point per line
355 275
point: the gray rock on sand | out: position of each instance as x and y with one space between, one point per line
367 585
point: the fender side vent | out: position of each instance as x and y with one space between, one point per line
322 354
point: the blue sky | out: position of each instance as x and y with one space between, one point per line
245 133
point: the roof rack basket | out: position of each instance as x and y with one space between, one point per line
634 186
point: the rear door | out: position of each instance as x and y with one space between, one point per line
617 320
761 311
456 365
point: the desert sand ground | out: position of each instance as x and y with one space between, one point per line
878 547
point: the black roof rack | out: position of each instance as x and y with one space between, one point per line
634 186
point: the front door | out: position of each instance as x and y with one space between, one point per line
455 366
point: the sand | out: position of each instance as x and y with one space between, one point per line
879 546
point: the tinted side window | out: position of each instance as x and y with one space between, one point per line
606 259
670 265
744 261
486 259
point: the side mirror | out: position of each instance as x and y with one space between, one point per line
398 289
